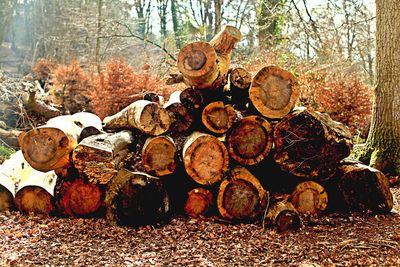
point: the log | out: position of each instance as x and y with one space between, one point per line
309 198
49 146
153 97
199 202
98 158
250 140
181 119
310 144
205 158
78 198
241 196
134 199
192 99
205 65
282 214
363 188
158 155
218 117
88 131
274 92
239 85
143 115
8 179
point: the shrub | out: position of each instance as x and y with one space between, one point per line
43 70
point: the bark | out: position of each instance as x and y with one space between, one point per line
143 115
159 155
309 198
241 196
218 15
98 158
134 199
181 119
382 150
250 140
310 144
217 117
199 202
205 158
274 92
49 146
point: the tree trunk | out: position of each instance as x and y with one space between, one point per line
143 115
241 196
205 65
99 157
49 146
218 15
134 199
205 158
181 119
158 155
217 117
282 214
250 140
310 144
239 84
199 202
309 198
274 92
382 150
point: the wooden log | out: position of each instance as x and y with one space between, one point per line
88 131
250 140
181 119
218 117
98 158
78 198
205 158
274 92
310 144
158 155
143 115
239 85
363 188
192 99
49 147
153 97
309 198
241 196
8 171
134 198
282 214
199 202
205 65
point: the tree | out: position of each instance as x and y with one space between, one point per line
383 143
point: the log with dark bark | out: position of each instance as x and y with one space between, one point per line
199 202
159 155
134 198
239 85
218 117
310 144
143 115
282 214
274 92
250 140
241 196
49 147
181 119
99 157
309 198
205 65
363 188
205 158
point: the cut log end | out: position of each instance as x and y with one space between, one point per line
198 202
158 156
250 140
282 214
154 120
191 98
274 92
181 120
240 79
33 199
6 199
309 198
217 117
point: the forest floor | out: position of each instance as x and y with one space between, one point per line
332 240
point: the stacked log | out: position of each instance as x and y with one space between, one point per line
190 153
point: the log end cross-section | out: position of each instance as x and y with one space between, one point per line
310 198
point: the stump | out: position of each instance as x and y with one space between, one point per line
250 140
205 158
143 115
310 144
274 92
158 155
309 198
218 117
199 202
282 214
241 196
134 199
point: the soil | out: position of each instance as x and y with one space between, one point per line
331 240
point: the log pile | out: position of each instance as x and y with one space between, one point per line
230 145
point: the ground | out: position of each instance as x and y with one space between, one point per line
333 240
